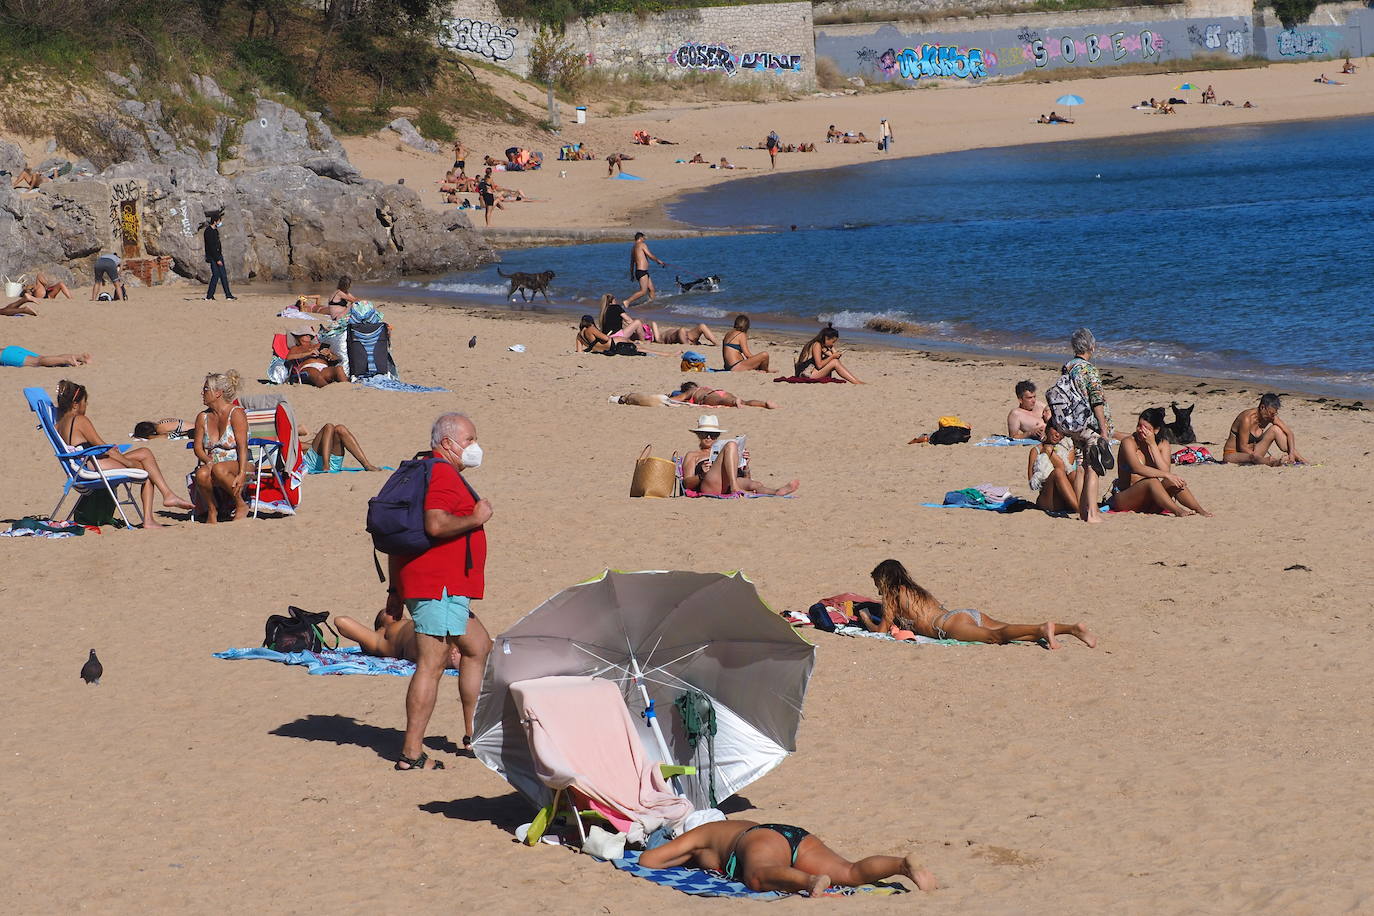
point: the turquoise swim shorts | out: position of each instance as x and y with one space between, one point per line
313 465
446 616
14 357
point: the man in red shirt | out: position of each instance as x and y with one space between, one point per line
438 586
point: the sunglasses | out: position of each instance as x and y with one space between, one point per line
709 435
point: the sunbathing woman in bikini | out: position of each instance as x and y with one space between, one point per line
778 857
590 338
78 432
1145 481
820 359
735 352
908 606
729 473
692 393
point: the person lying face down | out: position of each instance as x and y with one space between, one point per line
778 857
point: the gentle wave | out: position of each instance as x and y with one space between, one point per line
469 289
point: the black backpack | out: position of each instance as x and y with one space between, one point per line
950 435
369 350
299 632
396 515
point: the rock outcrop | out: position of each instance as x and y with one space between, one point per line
411 137
295 207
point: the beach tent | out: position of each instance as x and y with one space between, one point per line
684 649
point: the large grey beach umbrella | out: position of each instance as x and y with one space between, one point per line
659 635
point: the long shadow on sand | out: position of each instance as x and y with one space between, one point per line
505 812
348 730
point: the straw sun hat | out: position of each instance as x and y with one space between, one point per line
710 423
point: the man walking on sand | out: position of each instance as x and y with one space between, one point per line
773 144
214 256
439 585
640 256
884 136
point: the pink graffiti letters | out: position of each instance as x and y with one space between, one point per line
1088 50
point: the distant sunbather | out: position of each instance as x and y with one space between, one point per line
1348 67
1056 118
725 164
45 287
617 161
698 159
692 393
16 357
1145 480
31 178
908 606
318 365
1255 431
590 338
169 427
778 857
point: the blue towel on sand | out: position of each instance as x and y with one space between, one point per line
1006 440
386 383
626 176
348 660
957 499
712 884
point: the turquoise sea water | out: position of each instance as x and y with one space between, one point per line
1238 251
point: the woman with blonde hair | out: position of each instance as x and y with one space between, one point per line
78 432
221 445
908 606
618 324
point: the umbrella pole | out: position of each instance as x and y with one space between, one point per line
652 717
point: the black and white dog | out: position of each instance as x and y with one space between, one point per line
709 284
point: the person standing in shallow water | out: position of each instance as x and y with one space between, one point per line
214 256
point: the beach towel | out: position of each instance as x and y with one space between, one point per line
626 176
693 494
1006 440
386 383
346 660
972 498
702 883
292 312
807 379
860 632
1193 455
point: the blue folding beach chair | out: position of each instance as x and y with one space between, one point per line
84 474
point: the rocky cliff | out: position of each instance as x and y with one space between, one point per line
295 207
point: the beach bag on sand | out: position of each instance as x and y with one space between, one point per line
1069 408
693 361
655 478
951 431
14 288
95 508
299 632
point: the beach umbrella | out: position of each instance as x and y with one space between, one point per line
1186 87
1069 100
659 635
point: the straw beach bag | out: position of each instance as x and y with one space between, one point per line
654 477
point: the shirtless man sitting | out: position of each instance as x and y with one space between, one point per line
1258 429
389 637
778 857
1027 419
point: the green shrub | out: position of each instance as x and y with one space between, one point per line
433 127
551 54
265 59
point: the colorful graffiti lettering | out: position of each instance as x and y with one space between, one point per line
705 57
758 61
124 198
942 60
887 62
1293 42
478 37
1090 48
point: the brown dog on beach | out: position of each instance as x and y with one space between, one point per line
528 284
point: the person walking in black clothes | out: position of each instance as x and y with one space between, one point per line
214 256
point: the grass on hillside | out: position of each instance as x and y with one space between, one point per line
1000 9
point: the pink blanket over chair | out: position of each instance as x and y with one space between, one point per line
582 736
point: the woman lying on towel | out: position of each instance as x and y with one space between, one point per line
778 857
388 637
819 358
78 432
1145 480
908 606
692 393
729 472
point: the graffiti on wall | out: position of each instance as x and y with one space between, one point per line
124 221
942 61
478 37
1211 37
1302 42
1091 48
693 56
760 61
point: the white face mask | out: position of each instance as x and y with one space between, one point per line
472 456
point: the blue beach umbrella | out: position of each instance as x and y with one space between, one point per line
1069 100
1186 87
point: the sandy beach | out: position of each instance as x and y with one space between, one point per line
927 121
1207 757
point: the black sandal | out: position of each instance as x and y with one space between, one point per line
417 764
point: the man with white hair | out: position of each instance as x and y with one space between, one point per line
439 585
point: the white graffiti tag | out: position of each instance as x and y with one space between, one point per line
1293 42
479 37
1235 43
